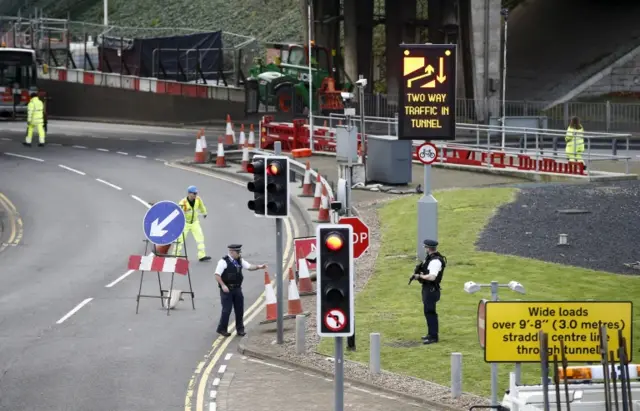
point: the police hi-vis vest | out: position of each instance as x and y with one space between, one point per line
191 213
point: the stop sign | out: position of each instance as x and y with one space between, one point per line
360 235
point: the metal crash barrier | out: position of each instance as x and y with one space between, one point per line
539 150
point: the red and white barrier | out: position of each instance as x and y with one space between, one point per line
159 264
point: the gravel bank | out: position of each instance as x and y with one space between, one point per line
604 238
262 337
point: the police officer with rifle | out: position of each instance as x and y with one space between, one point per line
429 273
229 277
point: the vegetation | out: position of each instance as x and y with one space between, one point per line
388 306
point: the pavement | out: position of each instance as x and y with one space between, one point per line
69 335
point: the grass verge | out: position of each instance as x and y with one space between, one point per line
388 306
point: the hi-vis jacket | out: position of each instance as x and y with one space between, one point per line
35 111
574 139
191 213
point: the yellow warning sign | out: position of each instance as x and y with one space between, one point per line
512 329
428 92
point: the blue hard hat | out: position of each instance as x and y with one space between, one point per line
192 189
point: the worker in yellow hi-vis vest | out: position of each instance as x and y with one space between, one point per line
35 118
575 141
192 205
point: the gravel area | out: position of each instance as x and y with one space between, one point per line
262 338
601 226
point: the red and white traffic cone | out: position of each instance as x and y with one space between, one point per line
295 305
242 139
204 144
271 303
307 187
252 137
323 214
317 197
199 154
220 161
230 136
245 159
304 280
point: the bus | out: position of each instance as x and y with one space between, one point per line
18 78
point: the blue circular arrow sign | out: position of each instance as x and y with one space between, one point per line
163 223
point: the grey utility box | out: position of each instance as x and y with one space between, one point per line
389 160
346 144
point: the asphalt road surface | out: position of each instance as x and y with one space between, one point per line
69 335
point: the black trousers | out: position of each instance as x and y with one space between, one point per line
430 296
234 299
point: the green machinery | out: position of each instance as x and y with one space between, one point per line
285 82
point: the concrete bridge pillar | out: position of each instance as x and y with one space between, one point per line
397 31
365 40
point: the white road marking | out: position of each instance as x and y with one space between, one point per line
26 157
78 146
109 184
216 382
124 154
222 369
128 139
72 169
117 280
180 143
75 310
156 141
160 159
139 156
138 199
213 394
228 356
55 144
5 139
360 389
102 149
269 364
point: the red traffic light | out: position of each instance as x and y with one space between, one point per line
251 168
334 242
273 169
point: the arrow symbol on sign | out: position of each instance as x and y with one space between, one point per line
157 229
441 77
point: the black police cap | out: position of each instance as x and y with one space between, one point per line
235 247
430 243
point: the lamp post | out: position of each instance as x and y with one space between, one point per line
472 288
505 14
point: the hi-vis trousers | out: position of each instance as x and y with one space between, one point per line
41 135
196 230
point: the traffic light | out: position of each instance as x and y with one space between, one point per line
277 176
334 263
257 186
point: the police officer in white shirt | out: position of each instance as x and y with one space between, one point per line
429 273
229 276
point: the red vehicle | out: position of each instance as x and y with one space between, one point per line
18 78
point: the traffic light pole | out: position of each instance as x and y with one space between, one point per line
339 376
279 283
351 341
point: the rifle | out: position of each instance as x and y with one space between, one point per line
415 271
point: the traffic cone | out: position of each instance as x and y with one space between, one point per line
307 187
242 139
230 136
317 197
271 303
252 138
245 159
199 155
204 145
220 161
304 280
323 214
295 305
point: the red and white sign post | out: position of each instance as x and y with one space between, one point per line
360 235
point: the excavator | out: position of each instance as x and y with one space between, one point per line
284 83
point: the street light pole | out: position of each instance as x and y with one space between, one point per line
505 14
105 5
309 22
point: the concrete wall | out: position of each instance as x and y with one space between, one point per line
492 52
78 100
622 77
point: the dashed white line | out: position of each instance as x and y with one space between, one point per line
26 157
228 356
123 153
139 156
55 144
117 280
180 143
213 394
75 310
128 139
216 382
72 169
102 149
160 159
78 146
138 199
109 184
156 141
5 139
222 369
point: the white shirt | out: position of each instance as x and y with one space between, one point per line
434 268
222 265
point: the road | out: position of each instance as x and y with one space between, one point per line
69 335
